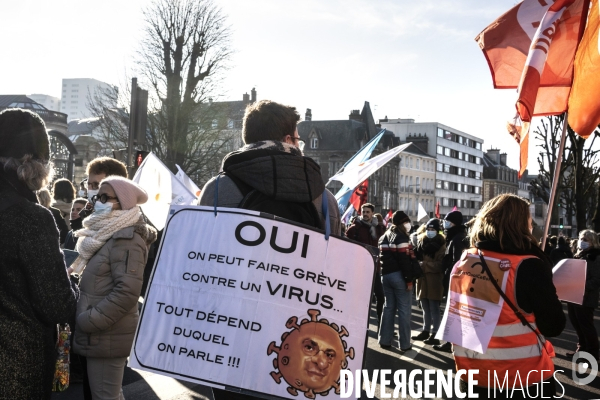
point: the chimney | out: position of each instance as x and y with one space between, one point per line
308 115
503 159
355 115
246 98
494 154
253 92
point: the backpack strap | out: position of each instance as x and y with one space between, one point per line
325 210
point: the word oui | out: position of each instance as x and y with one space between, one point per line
262 234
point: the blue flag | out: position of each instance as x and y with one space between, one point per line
343 195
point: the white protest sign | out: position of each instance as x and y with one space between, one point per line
474 304
568 277
247 302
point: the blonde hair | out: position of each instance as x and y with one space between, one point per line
33 172
591 237
44 197
505 219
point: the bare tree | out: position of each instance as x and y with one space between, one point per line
183 55
578 176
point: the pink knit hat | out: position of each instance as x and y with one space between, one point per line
129 193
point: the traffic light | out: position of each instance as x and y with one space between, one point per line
140 156
561 225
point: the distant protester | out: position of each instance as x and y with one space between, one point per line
63 193
45 199
561 251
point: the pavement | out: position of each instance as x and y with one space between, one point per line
140 385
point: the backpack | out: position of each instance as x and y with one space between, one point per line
302 212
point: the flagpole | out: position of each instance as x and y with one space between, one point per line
555 180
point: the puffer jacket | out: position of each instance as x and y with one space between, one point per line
431 252
107 312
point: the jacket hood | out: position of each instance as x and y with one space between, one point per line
277 174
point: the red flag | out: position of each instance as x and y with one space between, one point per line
388 216
584 107
437 209
359 196
532 47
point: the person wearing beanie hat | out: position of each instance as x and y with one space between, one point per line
431 247
113 250
456 243
397 276
37 288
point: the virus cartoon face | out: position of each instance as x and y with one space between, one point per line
311 356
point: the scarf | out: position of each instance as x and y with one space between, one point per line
372 226
97 229
273 145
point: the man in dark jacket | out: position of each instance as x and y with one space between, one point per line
367 230
35 291
456 243
561 251
272 164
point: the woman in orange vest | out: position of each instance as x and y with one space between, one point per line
517 350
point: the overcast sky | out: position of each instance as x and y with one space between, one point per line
409 59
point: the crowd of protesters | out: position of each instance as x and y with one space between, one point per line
100 219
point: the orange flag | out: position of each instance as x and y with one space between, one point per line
584 102
532 47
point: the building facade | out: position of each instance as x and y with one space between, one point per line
459 162
416 186
50 102
333 142
498 178
74 96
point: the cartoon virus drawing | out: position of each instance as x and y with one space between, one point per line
311 356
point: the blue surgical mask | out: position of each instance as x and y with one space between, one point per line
447 225
102 208
431 234
582 245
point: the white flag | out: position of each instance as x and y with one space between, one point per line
187 181
422 213
163 189
353 176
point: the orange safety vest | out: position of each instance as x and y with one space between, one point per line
514 347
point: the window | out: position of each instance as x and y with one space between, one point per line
459 171
460 155
440 132
446 168
417 163
447 152
477 160
453 170
445 202
477 175
314 143
477 190
417 185
410 187
440 150
478 145
467 142
440 167
411 162
446 185
438 184
459 187
401 183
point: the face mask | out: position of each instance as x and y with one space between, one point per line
102 208
92 193
447 225
582 245
407 226
431 234
81 193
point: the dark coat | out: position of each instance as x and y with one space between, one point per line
35 292
560 253
431 252
592 280
60 224
455 245
361 232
